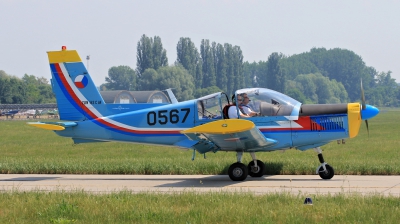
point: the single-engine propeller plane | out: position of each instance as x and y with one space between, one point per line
278 122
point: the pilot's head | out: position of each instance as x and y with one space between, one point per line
239 99
245 98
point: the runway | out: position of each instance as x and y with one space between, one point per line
303 184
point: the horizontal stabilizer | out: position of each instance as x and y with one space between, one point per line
222 127
54 126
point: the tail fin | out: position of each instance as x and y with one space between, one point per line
77 96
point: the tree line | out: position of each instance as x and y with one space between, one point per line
317 76
215 67
26 90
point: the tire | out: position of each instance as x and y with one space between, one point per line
256 173
328 174
238 172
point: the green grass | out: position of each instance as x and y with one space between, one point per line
190 207
25 149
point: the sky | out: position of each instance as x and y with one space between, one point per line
109 31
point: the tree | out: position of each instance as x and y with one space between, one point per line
144 55
229 57
207 56
238 68
206 91
149 80
387 89
319 89
121 78
255 73
297 95
323 91
175 77
275 75
339 91
307 86
31 83
339 64
220 68
179 79
159 53
189 57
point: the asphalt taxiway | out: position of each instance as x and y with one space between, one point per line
296 184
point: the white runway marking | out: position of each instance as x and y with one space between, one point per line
304 184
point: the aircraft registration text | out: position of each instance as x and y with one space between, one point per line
91 102
162 117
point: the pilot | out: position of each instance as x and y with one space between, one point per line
245 107
232 112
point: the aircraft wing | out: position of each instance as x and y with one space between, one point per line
227 135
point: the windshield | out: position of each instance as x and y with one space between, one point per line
271 103
210 106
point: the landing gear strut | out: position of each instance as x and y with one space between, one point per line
238 171
256 167
325 171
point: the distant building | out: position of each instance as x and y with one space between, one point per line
128 97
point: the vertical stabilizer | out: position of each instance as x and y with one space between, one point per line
77 96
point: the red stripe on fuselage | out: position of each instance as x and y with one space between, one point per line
305 124
308 124
91 114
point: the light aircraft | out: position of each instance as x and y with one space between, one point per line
10 113
32 113
199 124
50 113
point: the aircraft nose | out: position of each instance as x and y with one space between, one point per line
369 112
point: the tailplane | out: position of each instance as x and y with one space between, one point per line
77 96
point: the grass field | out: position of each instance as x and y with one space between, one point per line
124 207
25 149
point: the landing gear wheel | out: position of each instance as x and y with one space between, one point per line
256 171
238 172
328 174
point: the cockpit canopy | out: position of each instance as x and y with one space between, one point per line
269 102
266 102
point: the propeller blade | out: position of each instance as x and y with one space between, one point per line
366 123
362 97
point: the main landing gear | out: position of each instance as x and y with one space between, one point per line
256 168
238 171
325 171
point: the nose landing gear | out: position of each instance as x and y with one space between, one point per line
325 171
256 167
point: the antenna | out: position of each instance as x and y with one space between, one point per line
87 62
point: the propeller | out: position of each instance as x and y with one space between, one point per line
362 97
363 105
